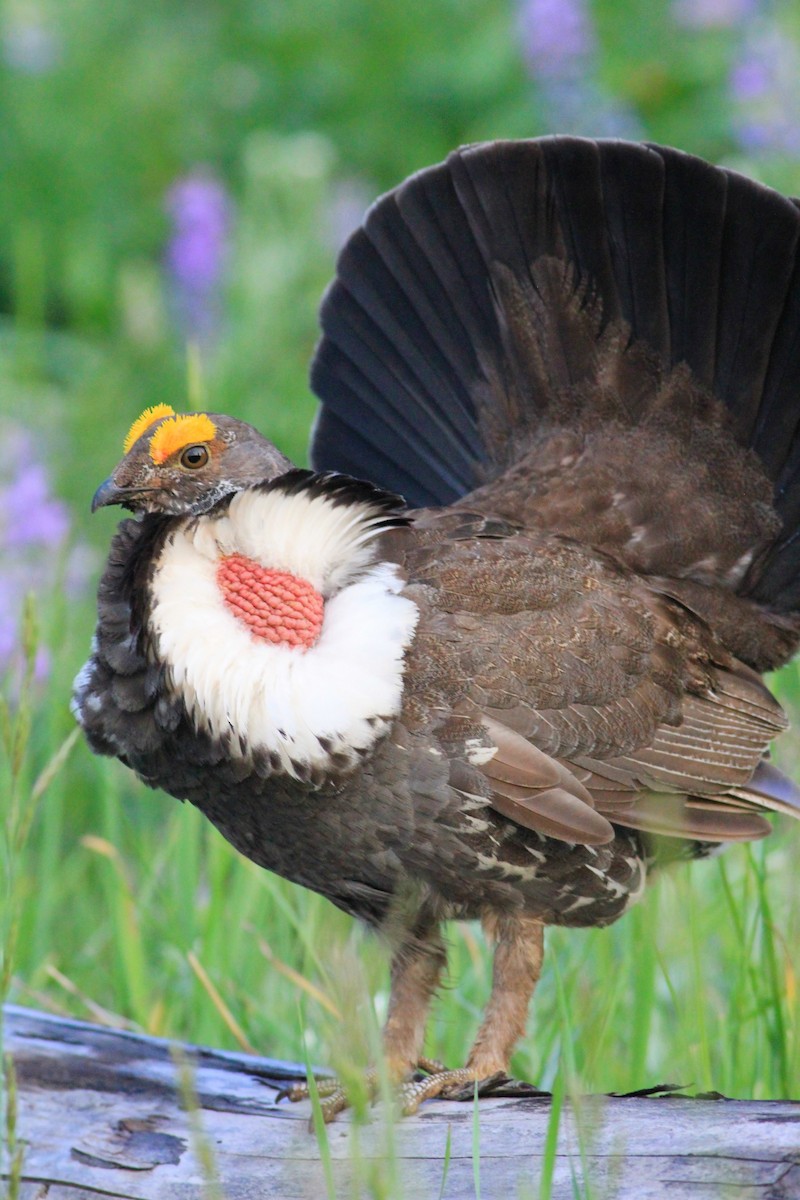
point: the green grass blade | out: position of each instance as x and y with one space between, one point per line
551 1138
448 1148
476 1144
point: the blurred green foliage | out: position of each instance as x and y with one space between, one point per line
117 99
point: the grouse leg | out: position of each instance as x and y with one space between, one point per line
516 969
416 970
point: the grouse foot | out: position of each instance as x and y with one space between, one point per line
438 1080
333 1095
459 1084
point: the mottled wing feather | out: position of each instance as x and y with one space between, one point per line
538 792
605 701
696 779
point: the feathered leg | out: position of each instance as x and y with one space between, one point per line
417 967
416 970
517 966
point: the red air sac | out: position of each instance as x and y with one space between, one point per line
274 605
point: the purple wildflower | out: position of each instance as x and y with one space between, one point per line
32 517
765 89
559 44
33 532
197 252
557 37
750 78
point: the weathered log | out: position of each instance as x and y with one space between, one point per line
101 1114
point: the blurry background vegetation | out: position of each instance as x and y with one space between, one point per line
178 177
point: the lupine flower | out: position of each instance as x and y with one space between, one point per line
33 532
559 44
557 38
32 517
197 252
765 87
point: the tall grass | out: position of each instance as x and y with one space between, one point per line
22 793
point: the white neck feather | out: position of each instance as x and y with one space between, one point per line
307 534
299 708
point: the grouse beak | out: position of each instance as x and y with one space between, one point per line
110 493
107 493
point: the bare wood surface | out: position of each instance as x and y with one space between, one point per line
101 1114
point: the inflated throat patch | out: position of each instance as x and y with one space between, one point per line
276 606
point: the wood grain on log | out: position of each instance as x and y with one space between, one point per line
101 1115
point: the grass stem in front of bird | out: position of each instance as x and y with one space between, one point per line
448 1149
13 1152
551 1138
203 1152
319 1127
476 1143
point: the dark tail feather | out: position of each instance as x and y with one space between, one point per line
442 348
402 323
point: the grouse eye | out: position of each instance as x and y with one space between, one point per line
194 457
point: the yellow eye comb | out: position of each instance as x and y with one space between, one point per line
176 432
147 418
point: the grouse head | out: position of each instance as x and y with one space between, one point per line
183 464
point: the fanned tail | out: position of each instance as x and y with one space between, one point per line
623 304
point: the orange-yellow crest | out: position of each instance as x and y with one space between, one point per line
147 418
179 431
